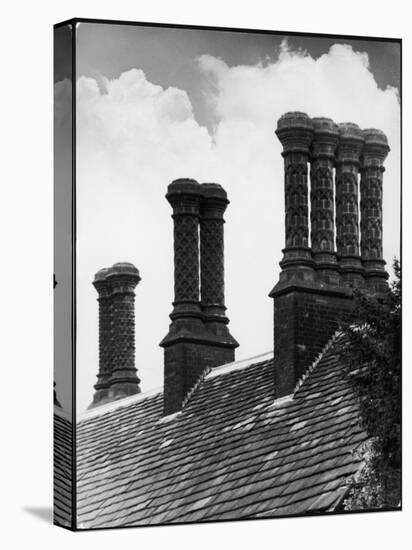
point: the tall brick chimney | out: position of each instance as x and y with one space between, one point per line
323 148
374 153
117 376
198 336
316 283
103 376
295 131
347 212
212 282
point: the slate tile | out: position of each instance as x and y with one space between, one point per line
234 457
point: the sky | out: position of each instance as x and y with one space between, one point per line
156 104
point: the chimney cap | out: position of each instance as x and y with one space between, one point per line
123 268
101 274
295 132
350 131
214 191
376 138
323 125
294 119
183 186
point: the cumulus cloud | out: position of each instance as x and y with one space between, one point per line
134 137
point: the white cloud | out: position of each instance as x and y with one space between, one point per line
135 137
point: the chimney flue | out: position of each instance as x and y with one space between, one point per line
103 376
347 211
295 131
374 153
213 206
184 196
325 141
123 279
117 376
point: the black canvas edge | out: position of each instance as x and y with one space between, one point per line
73 310
73 22
74 278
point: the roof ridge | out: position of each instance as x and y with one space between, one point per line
316 361
241 363
117 404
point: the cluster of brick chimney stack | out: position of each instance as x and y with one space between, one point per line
317 277
316 282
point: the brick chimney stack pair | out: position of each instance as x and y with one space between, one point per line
316 282
117 376
198 336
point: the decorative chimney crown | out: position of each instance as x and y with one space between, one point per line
295 131
350 142
325 138
183 188
376 147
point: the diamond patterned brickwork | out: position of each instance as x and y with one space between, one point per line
212 262
117 373
186 250
198 336
105 343
124 380
184 196
232 453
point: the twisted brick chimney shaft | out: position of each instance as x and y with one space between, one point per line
117 376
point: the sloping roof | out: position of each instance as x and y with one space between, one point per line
62 471
231 453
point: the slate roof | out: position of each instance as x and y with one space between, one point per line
231 453
62 467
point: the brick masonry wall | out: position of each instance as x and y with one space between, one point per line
184 364
303 323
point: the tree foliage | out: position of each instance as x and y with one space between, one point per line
371 351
